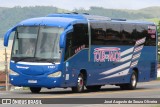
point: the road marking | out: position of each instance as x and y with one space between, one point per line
98 93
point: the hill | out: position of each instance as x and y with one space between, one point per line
145 13
10 16
152 11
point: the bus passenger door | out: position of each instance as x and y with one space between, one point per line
68 53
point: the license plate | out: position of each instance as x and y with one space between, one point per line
32 81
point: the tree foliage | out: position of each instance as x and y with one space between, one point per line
11 16
159 29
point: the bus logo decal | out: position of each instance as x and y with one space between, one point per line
133 56
107 53
140 41
139 48
23 67
151 29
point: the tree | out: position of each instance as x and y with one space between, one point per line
159 29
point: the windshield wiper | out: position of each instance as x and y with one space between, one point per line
45 60
21 59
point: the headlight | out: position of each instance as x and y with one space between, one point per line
13 73
56 74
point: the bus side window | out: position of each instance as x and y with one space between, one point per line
128 32
68 49
76 40
142 31
113 34
80 36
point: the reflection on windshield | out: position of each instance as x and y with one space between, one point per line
37 44
45 41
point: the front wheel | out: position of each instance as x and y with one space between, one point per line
133 83
35 89
80 84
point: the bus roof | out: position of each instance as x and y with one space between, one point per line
64 20
134 21
97 18
50 21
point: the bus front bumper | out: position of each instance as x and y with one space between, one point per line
35 81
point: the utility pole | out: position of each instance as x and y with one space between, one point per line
6 69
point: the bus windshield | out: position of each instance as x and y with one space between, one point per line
36 44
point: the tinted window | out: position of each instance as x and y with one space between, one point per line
128 34
76 40
68 50
113 33
105 33
80 35
133 32
98 33
148 31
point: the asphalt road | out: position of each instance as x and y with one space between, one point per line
144 90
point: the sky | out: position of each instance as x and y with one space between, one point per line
72 4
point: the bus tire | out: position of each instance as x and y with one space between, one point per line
133 83
94 88
35 89
80 84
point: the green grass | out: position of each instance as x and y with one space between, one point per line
156 106
158 78
155 20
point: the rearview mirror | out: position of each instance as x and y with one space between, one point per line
7 35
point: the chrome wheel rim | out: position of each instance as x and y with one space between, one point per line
80 82
134 81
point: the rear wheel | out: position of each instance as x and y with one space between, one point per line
133 83
35 89
80 84
94 88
